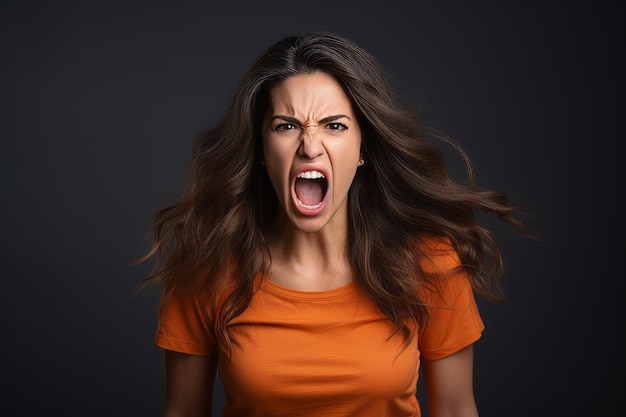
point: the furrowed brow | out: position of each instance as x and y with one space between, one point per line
297 122
288 119
330 119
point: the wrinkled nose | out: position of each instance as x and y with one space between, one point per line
310 146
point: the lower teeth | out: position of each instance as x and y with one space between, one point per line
300 203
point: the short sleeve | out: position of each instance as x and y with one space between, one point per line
186 324
454 321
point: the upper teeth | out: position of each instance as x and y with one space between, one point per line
311 175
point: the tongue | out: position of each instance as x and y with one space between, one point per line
310 192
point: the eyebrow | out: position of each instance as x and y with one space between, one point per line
295 121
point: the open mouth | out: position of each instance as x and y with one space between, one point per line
310 188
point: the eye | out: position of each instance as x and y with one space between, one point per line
336 126
285 127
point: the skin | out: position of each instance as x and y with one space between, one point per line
449 385
189 381
311 126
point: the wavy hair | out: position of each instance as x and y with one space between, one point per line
403 194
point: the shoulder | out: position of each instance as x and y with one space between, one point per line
444 278
438 255
196 296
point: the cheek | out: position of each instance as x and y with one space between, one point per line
277 167
347 177
346 169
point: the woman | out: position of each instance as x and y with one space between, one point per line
319 255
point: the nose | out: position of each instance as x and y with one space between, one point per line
310 145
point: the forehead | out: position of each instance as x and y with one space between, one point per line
305 93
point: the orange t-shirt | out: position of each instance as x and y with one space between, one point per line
323 353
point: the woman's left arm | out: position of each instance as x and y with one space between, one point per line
449 385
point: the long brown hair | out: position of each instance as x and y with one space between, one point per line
214 234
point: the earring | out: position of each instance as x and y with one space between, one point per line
361 162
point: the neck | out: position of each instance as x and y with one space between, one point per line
309 261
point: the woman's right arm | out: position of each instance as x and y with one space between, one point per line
189 381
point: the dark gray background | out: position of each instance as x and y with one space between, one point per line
100 105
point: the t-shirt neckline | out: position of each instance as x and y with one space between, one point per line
270 286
